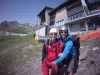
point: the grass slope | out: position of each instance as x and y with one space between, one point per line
22 55
16 51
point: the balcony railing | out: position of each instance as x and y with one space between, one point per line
83 15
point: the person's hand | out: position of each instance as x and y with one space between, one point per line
40 61
39 38
53 63
60 54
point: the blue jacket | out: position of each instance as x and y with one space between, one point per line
69 48
43 39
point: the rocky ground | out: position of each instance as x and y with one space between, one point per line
89 58
89 63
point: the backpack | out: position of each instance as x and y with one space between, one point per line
53 50
76 41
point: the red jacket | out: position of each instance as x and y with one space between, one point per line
50 51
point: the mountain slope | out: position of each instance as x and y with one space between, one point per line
14 26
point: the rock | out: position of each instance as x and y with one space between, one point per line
95 48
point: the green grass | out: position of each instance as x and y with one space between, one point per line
8 41
18 30
16 50
91 42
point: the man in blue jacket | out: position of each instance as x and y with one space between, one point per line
69 52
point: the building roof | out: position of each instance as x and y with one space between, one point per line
66 3
45 10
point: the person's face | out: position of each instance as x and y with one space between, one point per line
53 36
63 34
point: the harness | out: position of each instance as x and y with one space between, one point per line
52 51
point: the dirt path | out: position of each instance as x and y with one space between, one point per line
30 67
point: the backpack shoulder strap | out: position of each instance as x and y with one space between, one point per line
68 39
47 42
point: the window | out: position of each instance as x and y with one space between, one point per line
80 15
59 23
73 17
76 16
92 1
70 18
75 11
63 22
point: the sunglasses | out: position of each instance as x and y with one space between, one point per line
53 34
63 32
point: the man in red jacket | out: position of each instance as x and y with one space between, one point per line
50 51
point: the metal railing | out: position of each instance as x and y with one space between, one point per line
83 15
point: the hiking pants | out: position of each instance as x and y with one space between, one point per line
47 68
